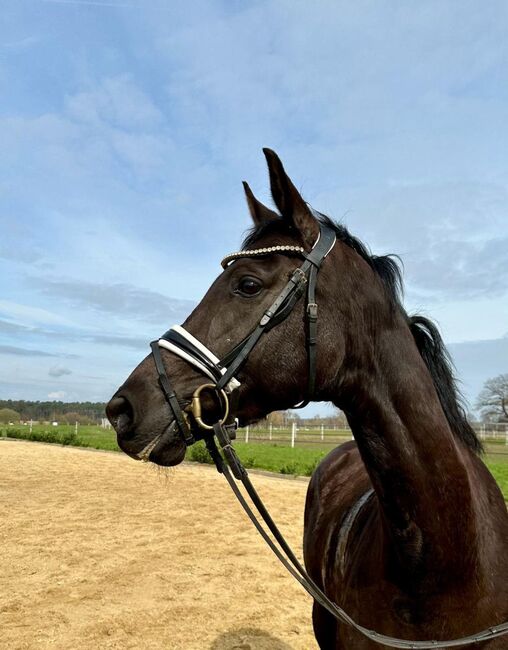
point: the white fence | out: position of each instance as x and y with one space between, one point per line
494 436
492 430
294 433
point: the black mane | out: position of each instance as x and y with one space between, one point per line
425 333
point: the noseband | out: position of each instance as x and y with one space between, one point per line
222 372
224 384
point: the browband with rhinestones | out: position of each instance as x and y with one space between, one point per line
261 251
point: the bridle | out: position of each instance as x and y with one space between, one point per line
224 384
222 372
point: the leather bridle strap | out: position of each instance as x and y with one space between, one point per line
175 337
283 305
291 292
170 395
311 315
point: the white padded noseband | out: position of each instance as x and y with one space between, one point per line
233 383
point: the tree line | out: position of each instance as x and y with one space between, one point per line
81 412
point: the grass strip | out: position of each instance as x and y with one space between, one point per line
282 459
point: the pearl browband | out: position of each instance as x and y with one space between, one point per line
297 250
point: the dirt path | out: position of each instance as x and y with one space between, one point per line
98 551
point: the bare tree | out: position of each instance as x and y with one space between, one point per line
493 399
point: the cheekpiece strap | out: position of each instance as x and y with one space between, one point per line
304 275
170 395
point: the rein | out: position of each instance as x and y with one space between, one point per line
225 386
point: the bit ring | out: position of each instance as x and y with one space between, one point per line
196 405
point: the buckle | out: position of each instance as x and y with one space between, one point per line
312 310
299 276
229 452
231 429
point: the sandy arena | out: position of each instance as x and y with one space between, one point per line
98 551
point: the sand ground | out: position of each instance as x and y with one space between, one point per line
98 551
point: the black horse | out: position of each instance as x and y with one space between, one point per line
405 528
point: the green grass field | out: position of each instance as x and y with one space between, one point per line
276 457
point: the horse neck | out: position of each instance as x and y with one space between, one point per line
417 466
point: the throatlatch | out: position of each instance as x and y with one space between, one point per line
225 386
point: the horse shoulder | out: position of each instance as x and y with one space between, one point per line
336 485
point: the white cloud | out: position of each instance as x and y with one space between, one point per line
26 314
117 101
24 352
57 395
122 300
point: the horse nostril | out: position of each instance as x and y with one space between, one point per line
120 414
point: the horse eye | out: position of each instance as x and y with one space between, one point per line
249 286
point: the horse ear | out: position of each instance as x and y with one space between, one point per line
289 201
260 213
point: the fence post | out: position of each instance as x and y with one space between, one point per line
322 432
31 423
247 433
76 428
270 435
293 434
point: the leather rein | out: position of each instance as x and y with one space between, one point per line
224 385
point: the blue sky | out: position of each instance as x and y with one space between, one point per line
127 127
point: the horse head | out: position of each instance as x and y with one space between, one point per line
276 374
